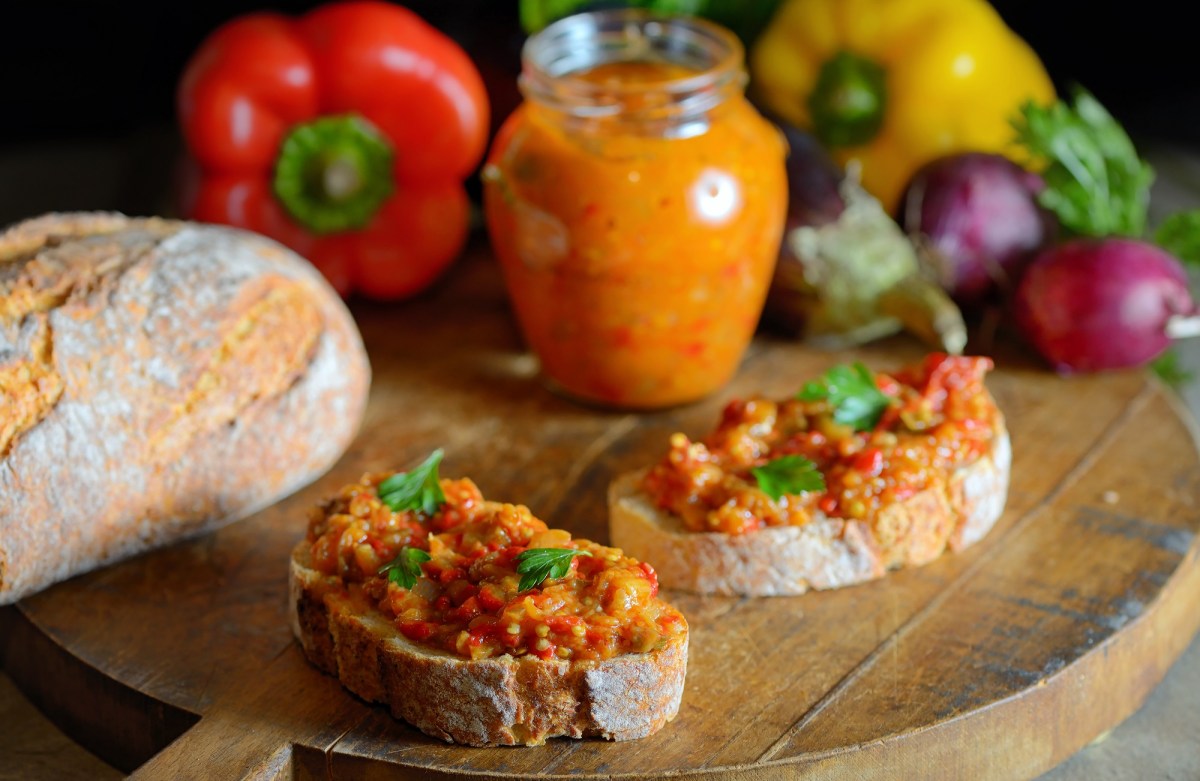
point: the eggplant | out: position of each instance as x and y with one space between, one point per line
846 272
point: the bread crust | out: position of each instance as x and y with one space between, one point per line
822 554
161 379
502 700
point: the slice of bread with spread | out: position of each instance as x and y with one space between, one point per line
475 623
860 473
158 379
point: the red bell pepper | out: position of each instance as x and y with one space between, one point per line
345 133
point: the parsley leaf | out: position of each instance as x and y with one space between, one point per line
1179 234
406 567
415 490
788 475
853 394
536 564
1095 182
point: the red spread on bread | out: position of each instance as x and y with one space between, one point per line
466 598
936 418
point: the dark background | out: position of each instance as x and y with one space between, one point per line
100 69
87 88
106 69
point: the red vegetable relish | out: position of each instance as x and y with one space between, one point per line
939 418
467 599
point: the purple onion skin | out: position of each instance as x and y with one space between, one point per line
1096 304
980 212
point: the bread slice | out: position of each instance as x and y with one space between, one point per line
500 700
822 554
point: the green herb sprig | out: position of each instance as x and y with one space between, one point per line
536 564
406 567
1096 183
792 474
853 394
418 490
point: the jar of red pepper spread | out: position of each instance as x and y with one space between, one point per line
636 202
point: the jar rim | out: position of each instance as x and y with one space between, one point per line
586 40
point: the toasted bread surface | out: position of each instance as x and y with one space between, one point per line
502 700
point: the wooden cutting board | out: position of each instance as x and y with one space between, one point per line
995 663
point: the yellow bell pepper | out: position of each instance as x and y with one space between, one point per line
897 83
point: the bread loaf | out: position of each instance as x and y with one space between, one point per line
158 379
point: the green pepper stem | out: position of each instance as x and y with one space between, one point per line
849 99
333 173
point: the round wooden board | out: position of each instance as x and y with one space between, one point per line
998 662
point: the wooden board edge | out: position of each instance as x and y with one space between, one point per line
117 723
1036 730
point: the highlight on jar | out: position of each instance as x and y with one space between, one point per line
635 201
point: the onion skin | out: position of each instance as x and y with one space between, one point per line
980 215
1097 304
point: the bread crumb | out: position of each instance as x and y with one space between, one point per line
1110 497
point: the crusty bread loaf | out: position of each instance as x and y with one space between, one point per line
822 554
502 700
158 379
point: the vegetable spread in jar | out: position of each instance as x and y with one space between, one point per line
481 579
636 202
846 446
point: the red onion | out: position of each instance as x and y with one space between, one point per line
1096 304
980 215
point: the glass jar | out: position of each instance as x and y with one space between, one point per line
636 201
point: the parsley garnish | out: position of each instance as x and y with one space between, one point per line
788 475
406 567
853 394
536 564
1095 182
415 490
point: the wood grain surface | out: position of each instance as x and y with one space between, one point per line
995 663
